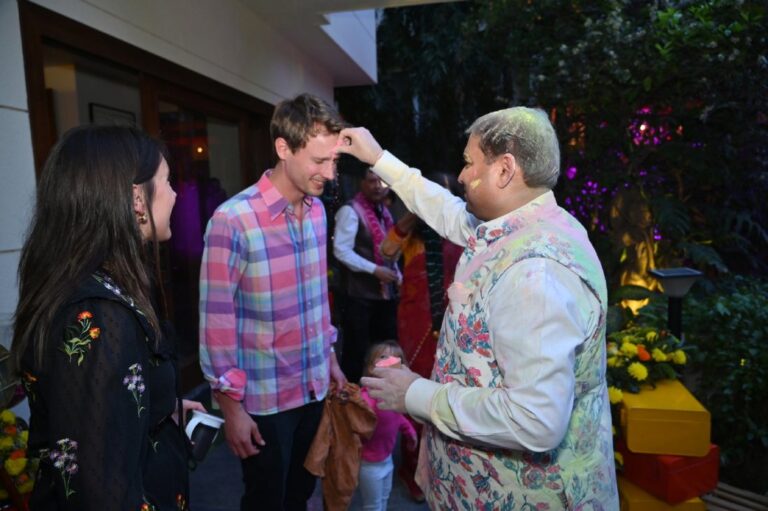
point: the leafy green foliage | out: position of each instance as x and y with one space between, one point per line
669 98
730 330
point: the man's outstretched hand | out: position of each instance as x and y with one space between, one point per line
359 143
388 387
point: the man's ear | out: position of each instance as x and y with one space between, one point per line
282 149
508 170
138 200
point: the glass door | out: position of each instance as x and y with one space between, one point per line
206 169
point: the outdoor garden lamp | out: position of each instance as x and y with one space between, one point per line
676 282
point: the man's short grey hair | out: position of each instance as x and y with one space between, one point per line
526 134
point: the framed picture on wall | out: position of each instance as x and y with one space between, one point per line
110 116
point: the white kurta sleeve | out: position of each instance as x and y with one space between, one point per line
438 207
344 234
538 314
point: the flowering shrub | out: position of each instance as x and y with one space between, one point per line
641 355
13 453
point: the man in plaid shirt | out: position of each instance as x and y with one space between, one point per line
266 341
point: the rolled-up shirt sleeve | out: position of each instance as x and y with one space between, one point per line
539 313
224 261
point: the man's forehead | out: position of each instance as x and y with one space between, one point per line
473 144
320 130
321 142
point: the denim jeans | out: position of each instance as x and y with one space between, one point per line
376 484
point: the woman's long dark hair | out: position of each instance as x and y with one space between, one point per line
85 221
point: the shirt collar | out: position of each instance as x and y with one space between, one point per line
274 200
492 230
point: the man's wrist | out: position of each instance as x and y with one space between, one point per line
418 398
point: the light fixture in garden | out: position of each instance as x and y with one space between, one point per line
676 282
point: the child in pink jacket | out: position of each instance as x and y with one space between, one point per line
376 467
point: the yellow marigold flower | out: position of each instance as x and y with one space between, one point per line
619 458
6 442
14 467
8 417
612 348
679 358
637 371
24 435
26 486
626 339
612 362
615 395
629 349
658 355
651 336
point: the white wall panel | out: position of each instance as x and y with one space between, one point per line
13 88
17 169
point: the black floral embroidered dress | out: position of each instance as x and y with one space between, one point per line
100 410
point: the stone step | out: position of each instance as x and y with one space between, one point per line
729 498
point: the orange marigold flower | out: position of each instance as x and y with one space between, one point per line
642 353
10 430
84 315
94 332
18 453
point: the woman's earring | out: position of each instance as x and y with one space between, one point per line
143 218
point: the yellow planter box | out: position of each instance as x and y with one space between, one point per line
632 498
665 420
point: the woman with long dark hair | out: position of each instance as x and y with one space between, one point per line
99 374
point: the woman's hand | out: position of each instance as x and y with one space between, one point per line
187 406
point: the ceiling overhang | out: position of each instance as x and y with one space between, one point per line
338 35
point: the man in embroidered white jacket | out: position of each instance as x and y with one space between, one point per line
517 408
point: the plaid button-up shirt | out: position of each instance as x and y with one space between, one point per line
265 331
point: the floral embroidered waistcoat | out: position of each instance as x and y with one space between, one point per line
579 474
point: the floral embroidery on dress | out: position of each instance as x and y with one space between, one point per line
134 382
80 336
181 502
65 460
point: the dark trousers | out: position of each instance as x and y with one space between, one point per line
275 479
365 322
